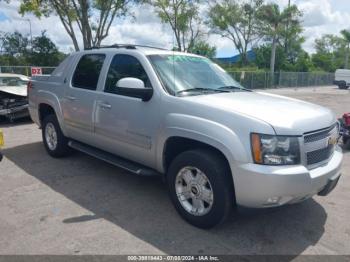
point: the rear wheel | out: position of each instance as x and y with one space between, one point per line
343 86
56 144
200 187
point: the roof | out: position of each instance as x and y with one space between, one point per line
146 50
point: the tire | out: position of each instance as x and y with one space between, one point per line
60 148
192 165
343 86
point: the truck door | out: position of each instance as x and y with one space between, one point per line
80 96
124 125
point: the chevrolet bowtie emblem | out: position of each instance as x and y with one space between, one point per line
332 141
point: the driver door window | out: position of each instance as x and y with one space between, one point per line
124 66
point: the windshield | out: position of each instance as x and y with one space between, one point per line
183 74
12 81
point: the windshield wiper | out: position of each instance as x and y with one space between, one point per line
226 88
201 89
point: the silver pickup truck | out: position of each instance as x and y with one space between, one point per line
217 144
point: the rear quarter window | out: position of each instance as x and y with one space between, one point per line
88 71
59 71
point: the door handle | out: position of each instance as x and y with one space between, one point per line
72 98
105 105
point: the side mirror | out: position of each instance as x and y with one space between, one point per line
134 87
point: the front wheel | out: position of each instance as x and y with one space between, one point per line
56 144
200 187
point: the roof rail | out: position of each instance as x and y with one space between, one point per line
127 46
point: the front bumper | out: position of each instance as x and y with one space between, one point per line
15 112
259 186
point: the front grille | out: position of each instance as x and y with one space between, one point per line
317 146
318 156
319 135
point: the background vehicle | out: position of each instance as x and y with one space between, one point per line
345 130
342 78
179 115
13 96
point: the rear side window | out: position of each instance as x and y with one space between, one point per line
88 71
58 72
124 66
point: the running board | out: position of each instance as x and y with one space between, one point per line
113 159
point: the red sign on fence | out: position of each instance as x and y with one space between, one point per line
36 71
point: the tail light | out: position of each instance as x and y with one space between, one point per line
29 86
346 118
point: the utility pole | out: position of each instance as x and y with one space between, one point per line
31 36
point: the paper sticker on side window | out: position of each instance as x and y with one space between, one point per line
184 58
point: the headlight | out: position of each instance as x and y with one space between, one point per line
275 150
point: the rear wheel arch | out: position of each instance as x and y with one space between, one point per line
45 110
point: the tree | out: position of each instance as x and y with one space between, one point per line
45 52
303 63
203 48
263 55
291 40
287 36
324 62
183 18
2 39
328 43
273 23
14 44
14 49
93 18
346 36
330 53
238 22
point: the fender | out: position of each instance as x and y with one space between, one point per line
201 130
51 99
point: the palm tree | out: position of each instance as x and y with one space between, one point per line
346 36
273 23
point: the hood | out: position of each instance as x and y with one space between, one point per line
287 116
15 90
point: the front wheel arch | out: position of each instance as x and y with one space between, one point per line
174 146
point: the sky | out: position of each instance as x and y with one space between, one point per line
319 17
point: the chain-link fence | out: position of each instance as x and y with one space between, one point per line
25 70
261 80
250 80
